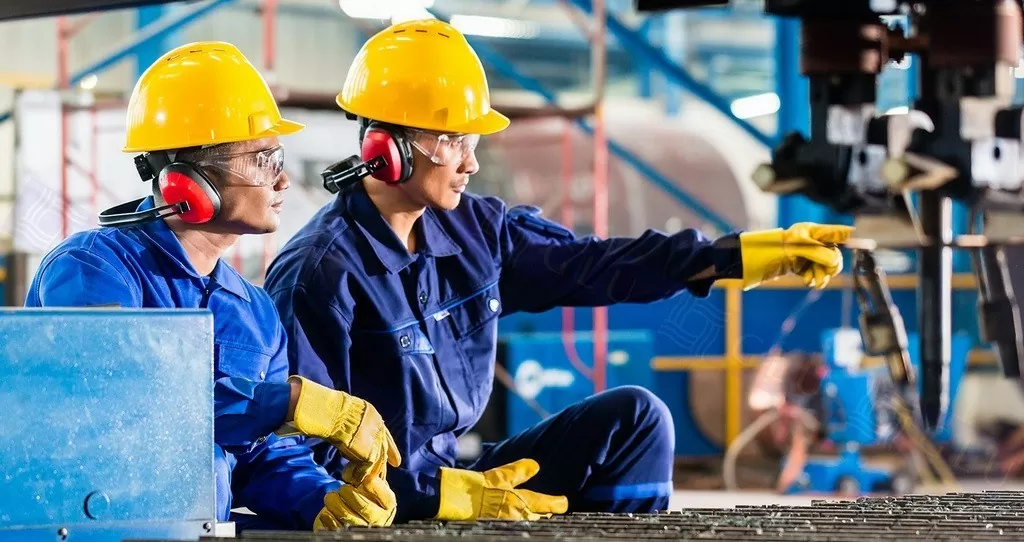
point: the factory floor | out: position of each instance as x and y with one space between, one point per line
689 498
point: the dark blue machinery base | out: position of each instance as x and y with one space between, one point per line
107 424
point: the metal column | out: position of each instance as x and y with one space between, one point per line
794 115
148 52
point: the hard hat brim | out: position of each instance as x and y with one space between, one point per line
281 128
491 123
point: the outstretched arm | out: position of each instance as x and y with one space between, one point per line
546 266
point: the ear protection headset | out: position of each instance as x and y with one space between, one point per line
385 154
186 190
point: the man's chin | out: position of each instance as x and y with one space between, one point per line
449 203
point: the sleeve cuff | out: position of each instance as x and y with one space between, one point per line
726 261
727 257
274 398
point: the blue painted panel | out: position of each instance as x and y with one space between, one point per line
543 373
113 408
686 326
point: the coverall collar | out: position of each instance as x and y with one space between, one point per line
161 235
388 248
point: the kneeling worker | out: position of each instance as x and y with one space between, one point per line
393 291
205 127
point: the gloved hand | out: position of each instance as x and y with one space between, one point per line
492 494
371 504
349 423
806 249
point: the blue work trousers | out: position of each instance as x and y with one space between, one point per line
612 452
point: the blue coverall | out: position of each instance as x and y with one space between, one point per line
415 335
146 267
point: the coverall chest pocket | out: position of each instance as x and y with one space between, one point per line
474 324
394 371
240 361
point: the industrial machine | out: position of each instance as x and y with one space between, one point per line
108 425
898 174
855 414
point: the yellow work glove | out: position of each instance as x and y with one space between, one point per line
467 495
806 249
349 423
372 504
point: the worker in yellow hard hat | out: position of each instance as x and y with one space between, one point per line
204 129
392 292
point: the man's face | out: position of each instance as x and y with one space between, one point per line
251 181
441 169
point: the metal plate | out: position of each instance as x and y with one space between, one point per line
108 417
21 9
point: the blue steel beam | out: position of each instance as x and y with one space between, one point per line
166 25
632 41
148 53
500 63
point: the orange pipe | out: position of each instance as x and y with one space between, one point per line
269 55
63 34
600 188
95 170
568 219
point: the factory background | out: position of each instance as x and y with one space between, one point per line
692 103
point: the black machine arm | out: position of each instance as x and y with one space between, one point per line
881 325
898 174
998 313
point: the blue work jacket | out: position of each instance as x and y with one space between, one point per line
415 334
146 267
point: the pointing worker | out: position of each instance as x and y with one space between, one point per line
204 127
393 290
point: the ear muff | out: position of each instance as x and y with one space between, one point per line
389 142
180 182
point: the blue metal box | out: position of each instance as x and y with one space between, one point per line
542 372
107 425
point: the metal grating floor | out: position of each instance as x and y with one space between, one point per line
991 515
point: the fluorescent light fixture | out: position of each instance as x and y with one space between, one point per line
89 81
756 106
495 27
395 10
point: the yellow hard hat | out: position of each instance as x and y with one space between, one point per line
421 74
202 93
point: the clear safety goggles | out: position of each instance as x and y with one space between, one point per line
443 149
254 168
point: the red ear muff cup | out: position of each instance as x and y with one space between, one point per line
378 142
177 185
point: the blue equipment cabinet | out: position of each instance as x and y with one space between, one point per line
854 416
541 370
108 425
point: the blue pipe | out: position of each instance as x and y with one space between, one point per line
156 30
633 42
498 62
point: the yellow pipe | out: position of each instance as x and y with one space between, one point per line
733 361
27 80
699 363
978 357
961 281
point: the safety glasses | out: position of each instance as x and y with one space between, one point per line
443 149
254 168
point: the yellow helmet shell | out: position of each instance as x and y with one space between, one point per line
202 93
421 74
